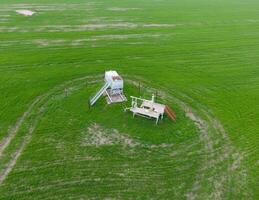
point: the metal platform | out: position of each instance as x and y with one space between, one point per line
115 98
147 108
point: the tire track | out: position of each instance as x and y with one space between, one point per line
221 165
15 128
211 133
13 161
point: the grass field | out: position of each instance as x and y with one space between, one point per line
202 57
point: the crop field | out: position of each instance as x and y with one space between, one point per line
200 57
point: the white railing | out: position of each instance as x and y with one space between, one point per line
99 94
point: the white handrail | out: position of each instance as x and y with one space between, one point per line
99 93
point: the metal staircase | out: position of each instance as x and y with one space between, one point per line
170 113
99 94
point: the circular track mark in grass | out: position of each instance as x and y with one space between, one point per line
221 161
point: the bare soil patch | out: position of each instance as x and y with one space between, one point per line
25 12
99 136
159 25
96 135
117 9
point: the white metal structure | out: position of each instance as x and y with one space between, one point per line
99 94
113 87
147 108
115 81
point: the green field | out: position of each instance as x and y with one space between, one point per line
201 57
